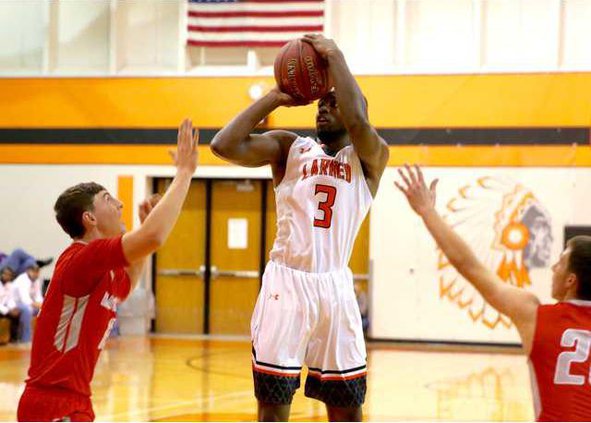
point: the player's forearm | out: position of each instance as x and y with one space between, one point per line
227 142
459 254
163 217
354 111
159 223
349 96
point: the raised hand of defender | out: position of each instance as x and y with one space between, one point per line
147 205
413 186
323 46
185 156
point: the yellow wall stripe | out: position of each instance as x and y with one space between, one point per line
508 100
464 156
494 156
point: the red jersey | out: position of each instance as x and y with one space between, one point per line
77 315
560 362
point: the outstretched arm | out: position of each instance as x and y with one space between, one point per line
518 304
152 234
236 143
371 148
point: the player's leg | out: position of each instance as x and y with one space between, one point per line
336 355
343 397
274 393
273 413
53 405
339 414
279 324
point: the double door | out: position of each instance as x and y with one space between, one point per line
207 275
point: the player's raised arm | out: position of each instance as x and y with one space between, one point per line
155 229
236 143
371 148
518 304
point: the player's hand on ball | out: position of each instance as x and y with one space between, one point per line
285 99
413 186
323 46
185 156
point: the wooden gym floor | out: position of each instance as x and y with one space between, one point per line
163 379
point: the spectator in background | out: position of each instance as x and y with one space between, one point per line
6 275
8 308
19 261
27 295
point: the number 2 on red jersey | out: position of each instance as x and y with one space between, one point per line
581 340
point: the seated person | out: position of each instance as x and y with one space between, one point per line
26 290
19 261
7 275
8 308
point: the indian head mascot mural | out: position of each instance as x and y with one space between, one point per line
508 228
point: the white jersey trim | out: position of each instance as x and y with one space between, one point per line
535 389
68 329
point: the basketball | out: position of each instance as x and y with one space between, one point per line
301 72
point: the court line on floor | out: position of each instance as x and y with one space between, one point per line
199 401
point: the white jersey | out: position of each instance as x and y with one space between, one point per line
321 203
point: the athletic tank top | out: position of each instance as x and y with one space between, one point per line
321 203
559 362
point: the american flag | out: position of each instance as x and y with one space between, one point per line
252 23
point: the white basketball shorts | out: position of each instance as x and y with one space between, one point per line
312 319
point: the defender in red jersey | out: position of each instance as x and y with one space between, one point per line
556 338
91 277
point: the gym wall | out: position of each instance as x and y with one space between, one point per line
57 132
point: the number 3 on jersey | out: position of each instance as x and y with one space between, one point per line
326 205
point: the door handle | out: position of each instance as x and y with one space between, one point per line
215 273
182 272
361 277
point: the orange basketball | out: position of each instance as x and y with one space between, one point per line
301 72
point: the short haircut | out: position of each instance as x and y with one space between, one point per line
579 263
71 205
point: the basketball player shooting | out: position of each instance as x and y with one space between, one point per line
95 273
556 338
306 312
